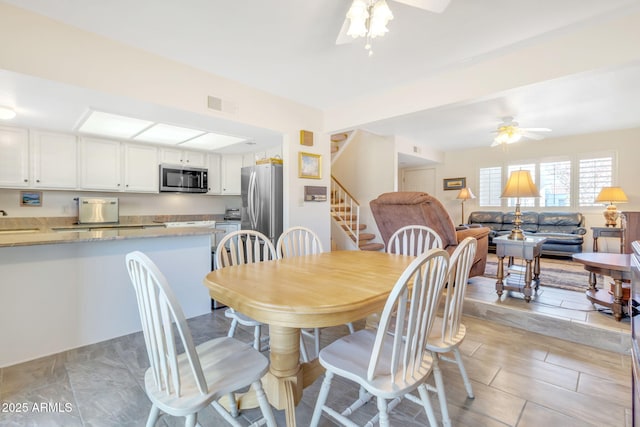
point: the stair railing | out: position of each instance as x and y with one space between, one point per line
345 209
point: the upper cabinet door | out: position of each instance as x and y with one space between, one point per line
174 156
14 157
141 172
100 164
54 159
230 170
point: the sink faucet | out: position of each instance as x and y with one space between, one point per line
3 212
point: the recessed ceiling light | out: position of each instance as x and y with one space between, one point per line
106 124
167 134
212 141
7 113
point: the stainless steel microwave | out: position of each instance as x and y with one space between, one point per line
183 179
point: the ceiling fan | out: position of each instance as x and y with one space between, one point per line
509 131
369 18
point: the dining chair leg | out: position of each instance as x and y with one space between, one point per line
322 399
463 373
232 328
265 407
153 416
383 411
303 349
426 403
437 375
256 337
351 329
191 420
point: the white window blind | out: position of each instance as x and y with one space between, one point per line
490 186
525 201
555 183
594 174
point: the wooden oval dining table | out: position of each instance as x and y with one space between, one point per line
327 289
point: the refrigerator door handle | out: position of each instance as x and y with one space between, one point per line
253 200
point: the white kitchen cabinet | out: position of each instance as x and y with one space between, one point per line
230 169
215 182
14 157
174 156
141 171
100 165
54 160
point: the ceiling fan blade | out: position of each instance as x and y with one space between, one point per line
435 6
343 38
531 135
536 129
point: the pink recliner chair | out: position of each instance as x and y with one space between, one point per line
395 210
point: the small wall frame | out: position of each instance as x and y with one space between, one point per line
454 183
31 198
309 165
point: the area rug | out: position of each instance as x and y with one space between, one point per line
555 273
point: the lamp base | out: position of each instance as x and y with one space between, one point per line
516 234
611 215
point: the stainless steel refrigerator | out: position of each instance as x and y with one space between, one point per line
262 199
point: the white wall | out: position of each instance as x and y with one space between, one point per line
466 163
367 168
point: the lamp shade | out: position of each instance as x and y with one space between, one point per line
519 185
465 194
611 195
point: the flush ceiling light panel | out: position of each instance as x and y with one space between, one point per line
113 125
212 141
167 134
7 113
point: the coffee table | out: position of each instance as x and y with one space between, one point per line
616 266
528 249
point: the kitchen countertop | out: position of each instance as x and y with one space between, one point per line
100 232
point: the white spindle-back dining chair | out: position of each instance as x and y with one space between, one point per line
245 247
300 241
393 360
413 240
183 384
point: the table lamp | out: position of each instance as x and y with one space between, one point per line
519 185
465 194
611 195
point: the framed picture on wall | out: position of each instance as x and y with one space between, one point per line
454 183
31 198
309 165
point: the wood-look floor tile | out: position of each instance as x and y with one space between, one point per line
535 416
570 403
605 389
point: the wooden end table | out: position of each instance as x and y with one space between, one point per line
597 232
616 266
528 249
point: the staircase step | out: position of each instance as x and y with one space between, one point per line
340 208
365 237
372 247
352 226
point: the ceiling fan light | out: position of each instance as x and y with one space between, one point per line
7 113
358 14
380 17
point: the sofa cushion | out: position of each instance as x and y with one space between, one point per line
490 219
561 238
529 221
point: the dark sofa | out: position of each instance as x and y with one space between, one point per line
564 230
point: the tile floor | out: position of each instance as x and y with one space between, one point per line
520 377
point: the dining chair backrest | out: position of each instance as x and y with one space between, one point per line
160 312
459 268
413 240
244 247
298 241
408 316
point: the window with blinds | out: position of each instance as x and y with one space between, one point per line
490 186
555 183
593 174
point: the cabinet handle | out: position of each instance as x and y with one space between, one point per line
118 185
37 180
26 180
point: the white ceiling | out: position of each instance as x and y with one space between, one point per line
287 47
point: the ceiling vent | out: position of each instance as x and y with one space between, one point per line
218 104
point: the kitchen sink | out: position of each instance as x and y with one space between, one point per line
20 231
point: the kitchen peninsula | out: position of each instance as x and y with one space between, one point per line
61 288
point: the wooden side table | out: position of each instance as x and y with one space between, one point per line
616 266
606 232
528 249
